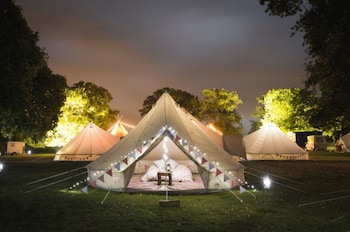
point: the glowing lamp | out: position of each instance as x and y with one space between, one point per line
267 182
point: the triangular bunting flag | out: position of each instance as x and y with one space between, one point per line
109 172
196 154
226 178
139 149
93 184
184 143
85 189
117 166
218 172
234 184
132 154
177 138
190 149
211 166
102 178
125 160
204 160
241 189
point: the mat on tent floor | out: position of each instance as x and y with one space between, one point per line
137 185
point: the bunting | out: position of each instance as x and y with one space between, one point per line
226 178
132 154
93 184
234 184
190 149
125 160
218 172
241 189
196 154
109 172
204 160
117 166
177 138
211 166
102 178
85 189
139 149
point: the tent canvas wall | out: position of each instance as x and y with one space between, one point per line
89 144
270 143
234 145
166 121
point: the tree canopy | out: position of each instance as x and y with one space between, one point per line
289 109
31 95
325 25
219 107
85 102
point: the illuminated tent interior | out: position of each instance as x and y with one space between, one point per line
89 144
166 135
270 143
343 144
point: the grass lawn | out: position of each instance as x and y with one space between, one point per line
309 195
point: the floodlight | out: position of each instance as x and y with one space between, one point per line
267 182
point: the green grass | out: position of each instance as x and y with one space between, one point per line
56 208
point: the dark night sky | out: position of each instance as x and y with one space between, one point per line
132 48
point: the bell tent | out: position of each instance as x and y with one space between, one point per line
89 144
270 143
118 130
343 144
166 137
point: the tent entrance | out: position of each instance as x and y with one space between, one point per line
182 166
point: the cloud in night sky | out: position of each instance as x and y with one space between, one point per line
132 48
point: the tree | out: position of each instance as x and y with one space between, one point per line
289 109
42 115
85 102
325 25
30 94
219 107
184 99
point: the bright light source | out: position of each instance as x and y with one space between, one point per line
1 166
266 182
29 152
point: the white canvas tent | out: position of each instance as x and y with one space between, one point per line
270 143
118 130
166 129
343 144
89 144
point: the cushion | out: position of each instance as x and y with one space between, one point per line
159 163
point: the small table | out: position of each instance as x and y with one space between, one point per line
166 174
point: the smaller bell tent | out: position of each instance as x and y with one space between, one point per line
343 144
118 130
89 144
270 143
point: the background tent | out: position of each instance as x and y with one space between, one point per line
343 144
270 143
166 129
118 130
90 143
